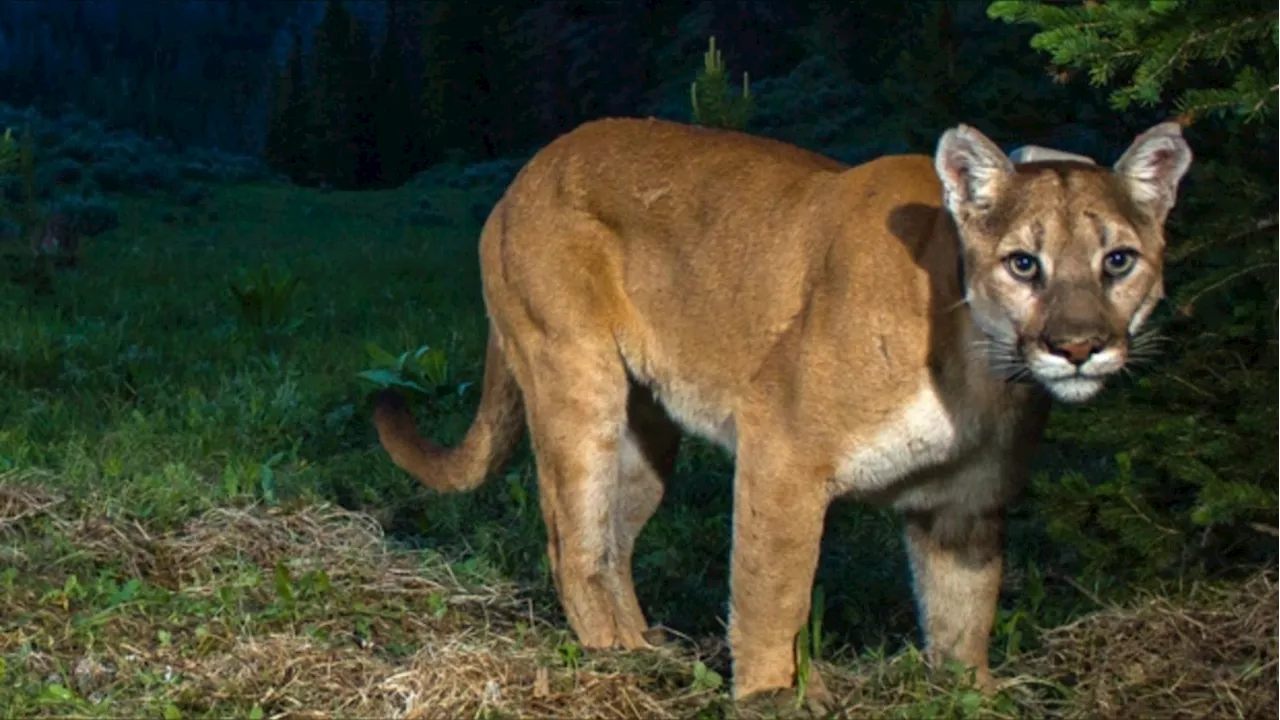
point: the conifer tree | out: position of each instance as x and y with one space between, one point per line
1222 52
712 102
287 123
438 59
360 142
329 97
392 105
469 80
340 145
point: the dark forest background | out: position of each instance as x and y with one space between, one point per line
279 204
365 93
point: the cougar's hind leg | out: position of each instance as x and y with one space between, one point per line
647 455
561 326
576 398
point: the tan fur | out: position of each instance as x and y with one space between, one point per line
810 318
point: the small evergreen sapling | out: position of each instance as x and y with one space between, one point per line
713 104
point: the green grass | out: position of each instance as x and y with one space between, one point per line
139 381
175 465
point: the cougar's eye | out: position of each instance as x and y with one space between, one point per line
1119 263
1023 266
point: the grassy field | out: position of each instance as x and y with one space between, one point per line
196 520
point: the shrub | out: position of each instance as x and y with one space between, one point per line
192 195
816 107
212 165
91 215
424 214
10 230
110 175
152 174
59 172
81 147
499 172
198 170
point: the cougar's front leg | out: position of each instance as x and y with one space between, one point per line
956 563
780 504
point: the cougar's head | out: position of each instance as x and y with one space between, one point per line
1063 259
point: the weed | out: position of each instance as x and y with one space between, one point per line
424 371
264 300
809 644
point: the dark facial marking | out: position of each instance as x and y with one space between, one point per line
1099 228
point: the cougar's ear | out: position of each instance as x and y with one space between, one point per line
973 171
1153 166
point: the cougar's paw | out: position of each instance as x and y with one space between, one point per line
944 670
656 636
782 704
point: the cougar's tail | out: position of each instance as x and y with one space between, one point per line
487 445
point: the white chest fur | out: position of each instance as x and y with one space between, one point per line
926 438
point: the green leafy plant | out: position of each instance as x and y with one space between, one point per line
713 104
704 678
264 299
423 371
570 654
1018 627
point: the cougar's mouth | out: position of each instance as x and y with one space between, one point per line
1073 372
1070 375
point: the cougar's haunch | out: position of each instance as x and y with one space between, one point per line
893 331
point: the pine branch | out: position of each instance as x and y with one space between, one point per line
1155 41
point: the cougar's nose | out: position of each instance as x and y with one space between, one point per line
1076 350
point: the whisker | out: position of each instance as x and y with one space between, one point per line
1149 338
992 343
1021 373
1007 360
1144 353
1002 358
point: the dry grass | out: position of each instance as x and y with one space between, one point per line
477 646
398 634
1211 656
21 500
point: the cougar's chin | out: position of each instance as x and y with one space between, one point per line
1076 389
